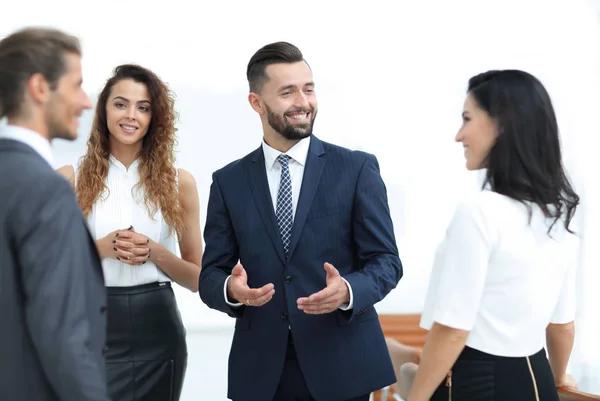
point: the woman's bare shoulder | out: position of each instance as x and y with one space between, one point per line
68 172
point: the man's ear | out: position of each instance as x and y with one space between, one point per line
38 88
256 103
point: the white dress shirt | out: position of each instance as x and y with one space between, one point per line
501 277
123 206
30 138
298 154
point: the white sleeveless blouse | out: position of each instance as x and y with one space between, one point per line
123 206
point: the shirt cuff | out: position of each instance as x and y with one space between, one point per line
237 305
347 306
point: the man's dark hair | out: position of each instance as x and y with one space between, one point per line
273 53
27 52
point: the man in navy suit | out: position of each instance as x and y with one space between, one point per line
310 226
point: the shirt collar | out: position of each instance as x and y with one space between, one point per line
30 138
298 152
115 162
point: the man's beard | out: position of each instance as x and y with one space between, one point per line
56 127
291 131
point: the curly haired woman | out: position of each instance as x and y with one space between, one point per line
138 206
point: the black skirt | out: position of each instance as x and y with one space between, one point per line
477 376
146 356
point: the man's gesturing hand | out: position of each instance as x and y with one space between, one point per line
238 290
330 298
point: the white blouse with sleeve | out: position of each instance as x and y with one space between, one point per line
502 277
123 206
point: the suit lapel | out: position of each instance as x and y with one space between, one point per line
262 199
315 161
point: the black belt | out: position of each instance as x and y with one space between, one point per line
138 289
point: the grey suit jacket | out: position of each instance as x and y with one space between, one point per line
52 294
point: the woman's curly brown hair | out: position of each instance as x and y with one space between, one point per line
156 159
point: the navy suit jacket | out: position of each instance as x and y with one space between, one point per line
343 218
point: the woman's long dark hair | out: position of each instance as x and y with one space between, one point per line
525 162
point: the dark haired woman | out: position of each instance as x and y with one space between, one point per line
138 207
502 285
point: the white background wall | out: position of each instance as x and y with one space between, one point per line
390 79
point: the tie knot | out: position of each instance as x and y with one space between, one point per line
283 160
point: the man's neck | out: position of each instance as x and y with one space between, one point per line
278 142
37 127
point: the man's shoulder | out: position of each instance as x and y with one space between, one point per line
345 154
22 157
334 152
239 166
26 175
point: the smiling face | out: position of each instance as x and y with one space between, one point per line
128 112
287 102
477 134
67 102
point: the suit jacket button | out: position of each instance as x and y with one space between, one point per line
288 279
102 309
105 350
284 315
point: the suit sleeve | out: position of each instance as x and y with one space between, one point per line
54 253
220 254
374 241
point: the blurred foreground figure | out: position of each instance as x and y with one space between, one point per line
51 285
